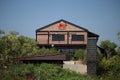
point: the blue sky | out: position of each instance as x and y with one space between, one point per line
98 16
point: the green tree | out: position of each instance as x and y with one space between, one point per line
118 51
15 33
118 35
109 48
79 54
44 50
115 65
12 46
9 46
28 46
110 68
1 33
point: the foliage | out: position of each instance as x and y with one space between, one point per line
8 48
39 72
109 48
1 33
12 45
27 46
103 67
85 57
44 50
118 35
53 72
79 54
14 33
99 55
109 69
115 65
118 51
17 72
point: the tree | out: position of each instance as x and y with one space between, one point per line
118 51
79 54
14 33
118 35
12 46
109 48
9 46
28 46
1 33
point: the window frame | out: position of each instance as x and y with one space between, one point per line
77 37
58 37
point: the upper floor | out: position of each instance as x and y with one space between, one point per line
63 32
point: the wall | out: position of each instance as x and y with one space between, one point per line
81 68
43 38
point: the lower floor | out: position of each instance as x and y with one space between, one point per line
65 48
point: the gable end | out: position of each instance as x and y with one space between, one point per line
64 22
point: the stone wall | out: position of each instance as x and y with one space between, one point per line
80 68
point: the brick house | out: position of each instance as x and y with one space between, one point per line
63 35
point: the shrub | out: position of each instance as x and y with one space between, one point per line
79 54
53 72
44 50
109 69
17 72
39 72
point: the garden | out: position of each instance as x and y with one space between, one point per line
15 45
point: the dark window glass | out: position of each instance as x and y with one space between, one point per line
77 37
58 37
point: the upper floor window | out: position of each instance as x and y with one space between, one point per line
58 37
77 37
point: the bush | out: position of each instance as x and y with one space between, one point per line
39 72
115 65
53 72
44 50
79 54
17 72
109 69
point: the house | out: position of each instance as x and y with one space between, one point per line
64 36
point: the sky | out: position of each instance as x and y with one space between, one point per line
25 16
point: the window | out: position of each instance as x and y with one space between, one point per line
58 37
70 51
77 37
